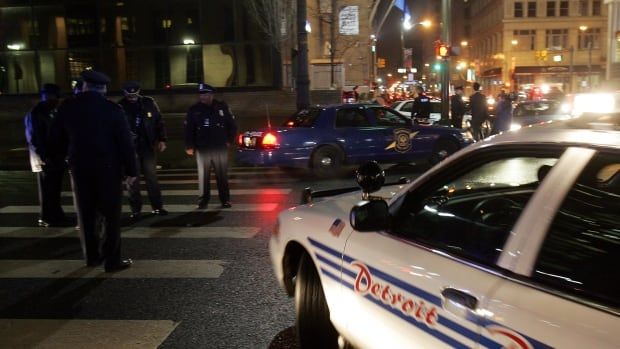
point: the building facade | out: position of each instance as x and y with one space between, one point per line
516 44
164 44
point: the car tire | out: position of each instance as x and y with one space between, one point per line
312 323
443 148
327 161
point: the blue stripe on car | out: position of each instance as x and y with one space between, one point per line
484 341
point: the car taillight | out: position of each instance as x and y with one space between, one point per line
240 139
269 141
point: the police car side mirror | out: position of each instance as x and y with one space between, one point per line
370 215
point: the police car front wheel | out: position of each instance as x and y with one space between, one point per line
314 329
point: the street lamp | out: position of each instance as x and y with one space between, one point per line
407 25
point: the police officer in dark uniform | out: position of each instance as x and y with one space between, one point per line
457 107
49 173
421 109
92 133
210 129
145 122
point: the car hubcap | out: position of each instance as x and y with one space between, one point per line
326 161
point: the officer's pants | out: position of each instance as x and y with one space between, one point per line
50 185
218 158
99 192
146 162
476 130
457 121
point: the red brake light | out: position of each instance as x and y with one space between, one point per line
290 123
240 139
269 140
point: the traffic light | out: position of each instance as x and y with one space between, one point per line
443 51
380 62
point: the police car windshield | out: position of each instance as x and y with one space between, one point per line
303 118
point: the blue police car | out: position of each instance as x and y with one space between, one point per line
324 138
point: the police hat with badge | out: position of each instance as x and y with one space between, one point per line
205 88
131 88
95 78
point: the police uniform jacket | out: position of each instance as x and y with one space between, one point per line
209 126
479 111
457 106
37 125
145 120
93 134
421 107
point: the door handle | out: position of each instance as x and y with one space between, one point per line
454 297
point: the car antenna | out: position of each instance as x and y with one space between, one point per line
268 118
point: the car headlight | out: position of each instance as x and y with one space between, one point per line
514 127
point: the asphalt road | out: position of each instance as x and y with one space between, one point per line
201 279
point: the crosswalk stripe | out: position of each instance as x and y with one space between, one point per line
231 180
232 169
230 173
260 207
141 269
137 232
86 334
194 192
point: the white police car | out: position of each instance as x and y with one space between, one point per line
513 242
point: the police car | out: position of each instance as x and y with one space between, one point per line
324 138
512 242
405 107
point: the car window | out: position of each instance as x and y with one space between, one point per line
472 214
386 117
407 107
351 117
581 253
538 108
303 118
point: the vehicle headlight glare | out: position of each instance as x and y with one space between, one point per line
514 127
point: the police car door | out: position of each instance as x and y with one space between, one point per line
397 135
564 293
424 283
360 139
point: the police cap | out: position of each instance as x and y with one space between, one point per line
205 88
94 77
51 89
131 88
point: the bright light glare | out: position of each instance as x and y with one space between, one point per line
565 108
308 27
491 101
16 46
545 88
426 23
188 41
514 127
594 103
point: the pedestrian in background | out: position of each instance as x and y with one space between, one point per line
210 129
49 171
421 108
503 113
457 107
147 126
479 111
93 133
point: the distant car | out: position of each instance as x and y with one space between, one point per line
324 138
405 107
511 243
536 112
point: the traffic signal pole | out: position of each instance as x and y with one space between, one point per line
445 61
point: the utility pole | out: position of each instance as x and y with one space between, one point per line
332 42
445 64
303 80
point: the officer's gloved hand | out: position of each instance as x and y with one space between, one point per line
189 151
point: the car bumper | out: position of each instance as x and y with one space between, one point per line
273 157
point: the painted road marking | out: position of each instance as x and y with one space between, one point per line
231 180
137 232
195 192
86 334
261 207
141 269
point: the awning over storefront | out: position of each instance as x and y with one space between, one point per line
491 72
556 69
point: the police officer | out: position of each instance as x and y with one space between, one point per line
479 111
92 132
457 107
145 122
421 108
209 130
49 172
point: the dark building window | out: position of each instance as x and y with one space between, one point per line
518 9
583 7
596 8
550 8
531 9
563 8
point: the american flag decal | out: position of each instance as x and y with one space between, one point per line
337 227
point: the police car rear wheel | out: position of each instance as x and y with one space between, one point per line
314 329
442 150
327 162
